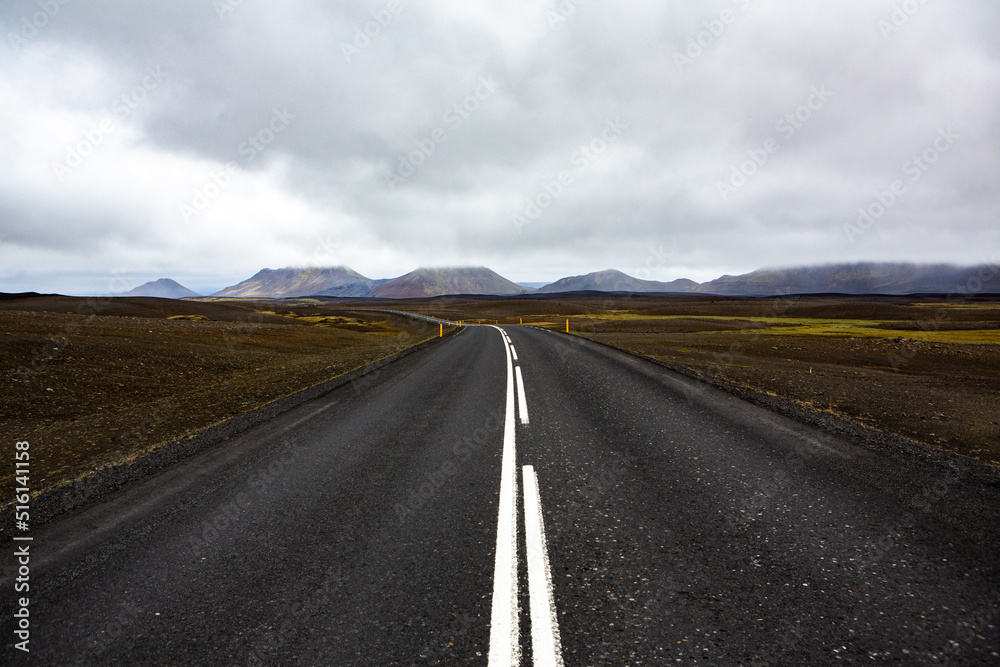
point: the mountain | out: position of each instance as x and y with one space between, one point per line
437 282
615 281
859 278
165 288
293 282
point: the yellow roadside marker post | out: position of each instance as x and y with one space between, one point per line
521 320
441 333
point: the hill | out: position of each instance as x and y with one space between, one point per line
294 282
859 278
164 288
438 282
612 280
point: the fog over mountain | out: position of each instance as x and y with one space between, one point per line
857 278
292 282
612 280
341 281
437 282
861 278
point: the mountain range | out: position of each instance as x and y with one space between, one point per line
860 278
342 281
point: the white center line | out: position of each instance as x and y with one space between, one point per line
505 647
513 352
545 645
522 402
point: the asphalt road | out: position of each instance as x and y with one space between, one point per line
393 522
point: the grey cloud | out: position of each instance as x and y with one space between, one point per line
690 123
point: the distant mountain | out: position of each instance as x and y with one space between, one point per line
615 281
860 278
438 282
164 288
293 282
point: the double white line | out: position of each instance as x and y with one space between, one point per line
505 646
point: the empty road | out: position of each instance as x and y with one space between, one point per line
539 501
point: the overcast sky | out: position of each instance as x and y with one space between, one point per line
205 140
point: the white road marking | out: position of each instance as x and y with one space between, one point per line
513 352
816 444
505 647
545 645
312 414
522 402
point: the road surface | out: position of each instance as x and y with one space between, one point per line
550 501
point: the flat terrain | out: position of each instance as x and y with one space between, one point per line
681 524
92 382
921 367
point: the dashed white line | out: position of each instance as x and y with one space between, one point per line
545 645
522 402
513 352
505 647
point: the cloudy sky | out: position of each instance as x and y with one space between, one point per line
205 140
